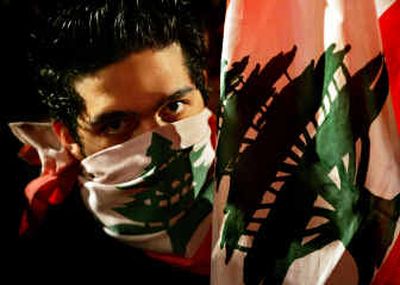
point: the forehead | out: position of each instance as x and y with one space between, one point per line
135 83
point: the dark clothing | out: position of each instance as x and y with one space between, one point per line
71 245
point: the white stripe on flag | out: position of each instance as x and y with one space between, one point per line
383 5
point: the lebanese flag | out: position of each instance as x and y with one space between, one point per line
308 153
389 20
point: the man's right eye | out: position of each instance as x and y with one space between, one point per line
118 126
115 127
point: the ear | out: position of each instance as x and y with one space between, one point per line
64 136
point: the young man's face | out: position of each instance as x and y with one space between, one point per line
135 95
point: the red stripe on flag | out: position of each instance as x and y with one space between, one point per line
389 24
389 273
199 263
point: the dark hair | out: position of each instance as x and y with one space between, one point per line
73 38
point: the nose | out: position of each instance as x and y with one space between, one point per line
147 124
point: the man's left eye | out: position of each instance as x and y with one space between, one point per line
173 111
175 107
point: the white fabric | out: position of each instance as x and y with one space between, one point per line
262 30
108 172
53 156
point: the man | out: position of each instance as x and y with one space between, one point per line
124 82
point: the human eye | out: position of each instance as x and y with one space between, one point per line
116 126
174 110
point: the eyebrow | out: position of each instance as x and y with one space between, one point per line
176 95
104 119
108 117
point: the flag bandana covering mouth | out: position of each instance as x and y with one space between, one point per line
308 162
154 191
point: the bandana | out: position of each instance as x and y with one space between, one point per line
155 191
152 192
59 171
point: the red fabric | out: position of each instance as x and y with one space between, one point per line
29 154
389 24
199 263
50 188
389 273
212 122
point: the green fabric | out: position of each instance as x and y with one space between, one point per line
287 122
173 180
